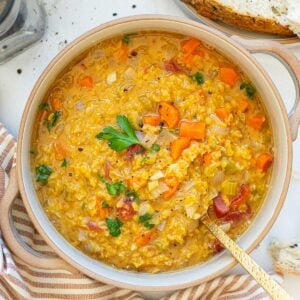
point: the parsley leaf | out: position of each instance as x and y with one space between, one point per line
250 90
115 189
119 140
198 77
64 163
44 106
127 37
53 119
42 173
114 226
155 147
104 204
145 220
132 194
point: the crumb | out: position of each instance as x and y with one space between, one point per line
114 14
19 71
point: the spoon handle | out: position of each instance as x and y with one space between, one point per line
266 282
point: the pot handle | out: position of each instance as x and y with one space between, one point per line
13 239
291 63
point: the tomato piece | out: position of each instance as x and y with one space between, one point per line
242 196
93 226
132 151
220 207
217 246
172 66
126 211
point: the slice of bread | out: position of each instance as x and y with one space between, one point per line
265 16
286 257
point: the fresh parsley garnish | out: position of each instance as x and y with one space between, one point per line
83 205
250 90
64 163
145 220
104 204
42 173
132 194
198 77
114 226
53 119
114 189
155 147
127 37
44 106
117 140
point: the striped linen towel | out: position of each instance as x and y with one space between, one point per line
21 281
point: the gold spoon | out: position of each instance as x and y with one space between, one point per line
263 279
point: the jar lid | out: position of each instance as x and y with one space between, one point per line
5 7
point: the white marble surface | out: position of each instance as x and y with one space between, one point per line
67 19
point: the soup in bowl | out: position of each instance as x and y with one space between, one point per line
142 135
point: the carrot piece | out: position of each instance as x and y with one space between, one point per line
86 82
243 105
188 59
256 122
178 146
103 212
56 104
192 129
153 120
229 76
122 54
190 45
60 150
173 189
264 161
207 158
144 238
169 113
223 113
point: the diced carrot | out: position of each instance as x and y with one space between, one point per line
188 59
256 122
123 52
192 129
86 82
169 114
207 158
56 104
264 161
144 238
190 45
103 212
200 52
178 145
173 189
60 150
223 113
229 76
243 105
153 120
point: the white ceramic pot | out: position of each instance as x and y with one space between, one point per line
284 131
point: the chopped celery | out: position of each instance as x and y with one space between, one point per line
229 187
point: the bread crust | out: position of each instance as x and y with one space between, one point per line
214 10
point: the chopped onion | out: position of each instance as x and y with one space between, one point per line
162 225
157 175
111 78
190 210
160 190
219 130
218 178
165 138
143 208
188 185
79 105
213 193
130 73
82 236
225 227
256 144
98 53
149 139
215 118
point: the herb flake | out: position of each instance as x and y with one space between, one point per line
114 226
53 119
42 173
64 163
250 90
145 220
198 77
